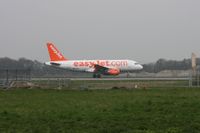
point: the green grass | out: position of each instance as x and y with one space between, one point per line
108 84
102 111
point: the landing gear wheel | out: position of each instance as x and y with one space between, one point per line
98 75
94 75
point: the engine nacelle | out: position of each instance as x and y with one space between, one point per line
112 71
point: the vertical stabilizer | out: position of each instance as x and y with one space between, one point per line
54 53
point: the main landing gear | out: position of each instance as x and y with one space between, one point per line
96 75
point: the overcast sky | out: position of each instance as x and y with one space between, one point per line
141 30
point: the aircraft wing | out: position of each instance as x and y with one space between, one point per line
100 69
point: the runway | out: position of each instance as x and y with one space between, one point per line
128 79
113 79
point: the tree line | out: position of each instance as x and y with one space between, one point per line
163 64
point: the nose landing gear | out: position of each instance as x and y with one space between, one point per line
96 75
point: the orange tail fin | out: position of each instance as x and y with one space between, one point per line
54 53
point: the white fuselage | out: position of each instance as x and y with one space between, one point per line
88 65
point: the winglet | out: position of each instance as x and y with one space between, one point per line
54 53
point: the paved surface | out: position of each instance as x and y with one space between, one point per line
111 79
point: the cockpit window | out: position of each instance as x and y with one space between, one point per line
137 63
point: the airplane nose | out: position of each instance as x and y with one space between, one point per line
140 67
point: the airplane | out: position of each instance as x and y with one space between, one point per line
97 67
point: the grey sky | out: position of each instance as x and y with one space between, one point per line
142 30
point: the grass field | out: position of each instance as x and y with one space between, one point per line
174 110
108 84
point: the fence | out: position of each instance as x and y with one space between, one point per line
9 75
109 83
